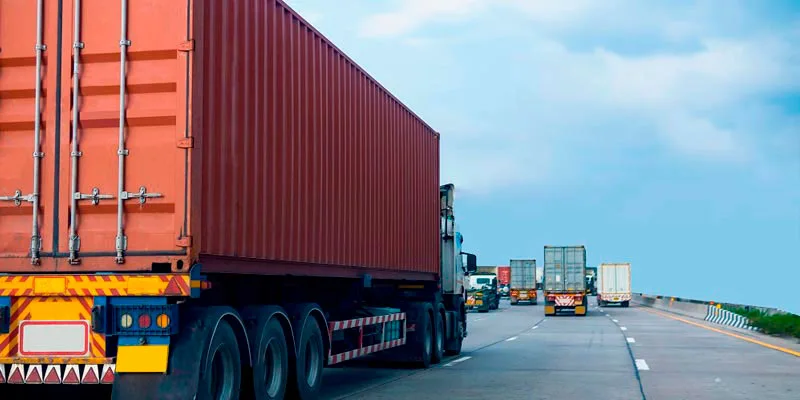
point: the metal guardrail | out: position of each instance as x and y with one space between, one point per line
766 310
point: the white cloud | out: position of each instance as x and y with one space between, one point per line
412 14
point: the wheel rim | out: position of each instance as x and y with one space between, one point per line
273 369
313 361
222 379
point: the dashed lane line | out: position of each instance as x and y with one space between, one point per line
456 361
641 365
623 328
513 338
631 340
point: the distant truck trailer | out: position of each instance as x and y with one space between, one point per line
523 281
614 284
504 280
565 279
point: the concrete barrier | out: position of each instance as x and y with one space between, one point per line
693 309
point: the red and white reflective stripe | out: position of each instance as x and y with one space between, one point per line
355 323
57 374
349 355
565 301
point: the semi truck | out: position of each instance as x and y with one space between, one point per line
482 294
614 284
207 199
523 282
504 280
565 279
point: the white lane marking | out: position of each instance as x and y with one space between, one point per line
535 327
623 328
641 365
456 361
607 315
511 339
615 320
631 340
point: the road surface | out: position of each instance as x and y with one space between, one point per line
619 353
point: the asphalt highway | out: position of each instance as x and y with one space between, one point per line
612 353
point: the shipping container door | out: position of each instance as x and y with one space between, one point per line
125 137
575 271
28 50
554 268
608 281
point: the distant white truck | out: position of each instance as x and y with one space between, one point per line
614 284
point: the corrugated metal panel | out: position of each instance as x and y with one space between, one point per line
305 158
564 268
523 274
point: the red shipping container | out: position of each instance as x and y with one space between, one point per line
504 275
270 151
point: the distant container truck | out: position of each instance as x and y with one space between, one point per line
523 282
206 198
504 280
614 284
565 279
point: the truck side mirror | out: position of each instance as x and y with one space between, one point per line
472 263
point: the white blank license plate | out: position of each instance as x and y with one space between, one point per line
54 338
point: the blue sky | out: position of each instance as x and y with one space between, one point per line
663 133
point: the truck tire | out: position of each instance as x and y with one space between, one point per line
221 367
306 379
270 362
626 303
454 343
423 346
438 335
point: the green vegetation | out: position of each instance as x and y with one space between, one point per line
776 324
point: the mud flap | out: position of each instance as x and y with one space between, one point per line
186 354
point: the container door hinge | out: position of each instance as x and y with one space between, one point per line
186 143
184 241
186 46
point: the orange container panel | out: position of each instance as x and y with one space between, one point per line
250 144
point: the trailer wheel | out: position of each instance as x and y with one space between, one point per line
307 377
271 363
438 336
626 303
221 368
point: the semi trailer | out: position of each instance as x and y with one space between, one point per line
614 284
565 280
207 199
523 282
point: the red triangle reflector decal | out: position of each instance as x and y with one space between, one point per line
34 376
173 288
71 376
51 376
108 375
90 376
2 374
15 376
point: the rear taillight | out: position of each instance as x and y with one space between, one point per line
531 293
515 293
